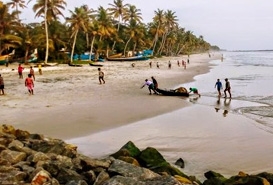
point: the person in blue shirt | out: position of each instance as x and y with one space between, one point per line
219 86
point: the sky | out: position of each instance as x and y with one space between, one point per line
228 24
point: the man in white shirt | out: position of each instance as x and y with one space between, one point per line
150 85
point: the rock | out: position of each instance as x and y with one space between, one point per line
129 170
102 177
40 178
152 159
13 156
129 149
180 162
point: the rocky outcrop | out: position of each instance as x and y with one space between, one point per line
32 159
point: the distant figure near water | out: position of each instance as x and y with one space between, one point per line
218 84
227 88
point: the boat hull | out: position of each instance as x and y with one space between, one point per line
135 58
172 92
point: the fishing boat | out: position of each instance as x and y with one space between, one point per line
133 58
95 64
181 91
3 59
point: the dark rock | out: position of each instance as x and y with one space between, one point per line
153 160
266 175
180 162
102 177
122 168
129 149
67 175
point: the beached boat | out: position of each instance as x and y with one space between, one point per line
74 65
181 91
96 65
3 59
134 58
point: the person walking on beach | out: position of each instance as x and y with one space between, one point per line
31 71
178 63
101 76
20 71
170 65
2 85
150 85
218 84
150 64
40 69
227 88
155 83
157 65
29 84
194 90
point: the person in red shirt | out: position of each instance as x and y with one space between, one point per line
29 84
20 71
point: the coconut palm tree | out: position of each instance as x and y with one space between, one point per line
50 10
8 27
118 10
170 24
105 28
133 14
78 21
158 20
16 4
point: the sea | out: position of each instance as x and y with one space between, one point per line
214 133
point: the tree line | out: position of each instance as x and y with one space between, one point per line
103 31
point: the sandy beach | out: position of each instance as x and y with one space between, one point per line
68 102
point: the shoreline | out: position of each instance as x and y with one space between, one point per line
69 102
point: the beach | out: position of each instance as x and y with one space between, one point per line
70 104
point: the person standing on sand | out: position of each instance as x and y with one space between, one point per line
150 85
170 65
29 84
31 71
20 71
227 88
40 69
155 83
157 65
219 86
150 64
101 76
2 85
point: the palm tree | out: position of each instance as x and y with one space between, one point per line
133 14
16 4
49 9
78 21
8 26
104 25
118 10
158 21
170 24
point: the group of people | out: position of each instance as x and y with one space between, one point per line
219 86
153 85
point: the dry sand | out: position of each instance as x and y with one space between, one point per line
68 102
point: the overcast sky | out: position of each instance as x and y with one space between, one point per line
229 24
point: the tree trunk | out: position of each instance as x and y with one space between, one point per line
124 52
73 47
91 48
46 32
